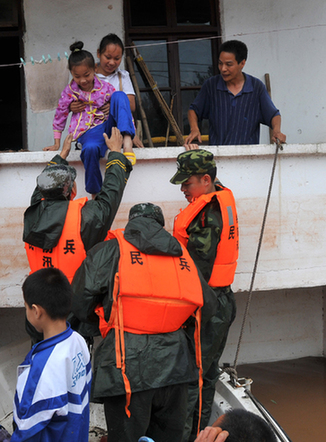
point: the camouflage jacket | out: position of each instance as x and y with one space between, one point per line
204 236
44 219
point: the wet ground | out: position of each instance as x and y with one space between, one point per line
294 392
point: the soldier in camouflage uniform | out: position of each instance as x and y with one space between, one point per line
197 176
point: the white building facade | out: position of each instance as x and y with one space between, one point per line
285 40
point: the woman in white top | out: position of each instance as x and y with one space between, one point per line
110 54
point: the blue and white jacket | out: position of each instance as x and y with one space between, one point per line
53 389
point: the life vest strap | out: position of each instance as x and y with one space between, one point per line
122 356
116 322
199 362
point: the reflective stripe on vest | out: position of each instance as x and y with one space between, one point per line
225 262
69 253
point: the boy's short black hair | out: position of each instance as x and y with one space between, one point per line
244 426
236 47
50 289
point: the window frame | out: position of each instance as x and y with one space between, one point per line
16 31
171 33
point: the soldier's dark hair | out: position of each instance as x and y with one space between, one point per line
236 47
50 289
110 39
80 56
244 426
211 172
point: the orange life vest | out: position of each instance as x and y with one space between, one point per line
225 262
152 294
69 253
157 293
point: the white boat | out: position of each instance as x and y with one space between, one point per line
232 394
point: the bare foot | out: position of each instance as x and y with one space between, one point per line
127 143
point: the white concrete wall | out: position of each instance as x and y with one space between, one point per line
293 250
281 324
285 39
51 27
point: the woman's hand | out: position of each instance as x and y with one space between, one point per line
77 106
105 108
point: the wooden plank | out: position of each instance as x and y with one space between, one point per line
137 92
165 108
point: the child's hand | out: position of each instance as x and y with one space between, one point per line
105 108
77 106
66 147
54 147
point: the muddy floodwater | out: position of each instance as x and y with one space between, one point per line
294 392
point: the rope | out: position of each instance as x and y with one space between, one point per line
227 36
278 146
214 37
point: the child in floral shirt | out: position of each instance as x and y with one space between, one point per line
89 125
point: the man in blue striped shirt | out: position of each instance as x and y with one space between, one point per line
235 103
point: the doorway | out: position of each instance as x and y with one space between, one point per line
12 91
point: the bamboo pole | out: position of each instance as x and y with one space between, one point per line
165 108
141 109
168 128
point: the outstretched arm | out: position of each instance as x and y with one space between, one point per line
60 117
57 159
276 130
66 147
194 129
98 214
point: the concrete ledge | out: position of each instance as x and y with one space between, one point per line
294 243
261 150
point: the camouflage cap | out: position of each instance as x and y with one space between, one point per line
56 181
191 163
148 210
